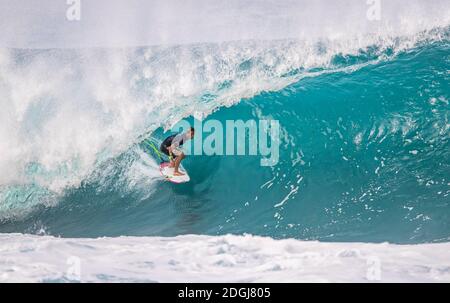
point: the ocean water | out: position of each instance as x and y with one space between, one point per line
362 102
364 153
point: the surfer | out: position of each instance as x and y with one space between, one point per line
171 146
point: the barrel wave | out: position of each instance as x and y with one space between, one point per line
364 153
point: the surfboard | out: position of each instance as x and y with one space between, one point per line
167 173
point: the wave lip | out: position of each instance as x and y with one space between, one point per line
228 258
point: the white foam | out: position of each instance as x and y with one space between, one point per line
112 23
227 258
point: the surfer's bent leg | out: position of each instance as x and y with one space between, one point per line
179 156
178 159
172 160
172 157
166 150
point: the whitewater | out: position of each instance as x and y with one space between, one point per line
361 189
195 258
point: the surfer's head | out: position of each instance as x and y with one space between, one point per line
190 133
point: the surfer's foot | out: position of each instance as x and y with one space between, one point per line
177 173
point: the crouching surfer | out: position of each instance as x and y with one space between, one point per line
171 146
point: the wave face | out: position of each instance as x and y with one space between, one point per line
364 152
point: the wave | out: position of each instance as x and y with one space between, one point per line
72 120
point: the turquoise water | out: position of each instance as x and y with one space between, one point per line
364 156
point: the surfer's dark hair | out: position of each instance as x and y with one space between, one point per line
192 130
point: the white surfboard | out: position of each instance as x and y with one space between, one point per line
167 173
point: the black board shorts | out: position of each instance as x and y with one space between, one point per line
166 143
